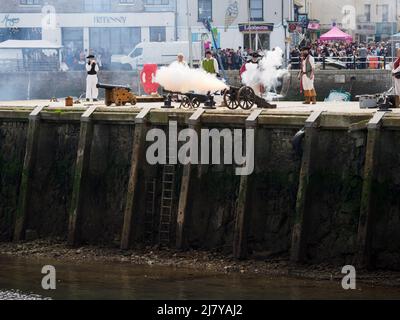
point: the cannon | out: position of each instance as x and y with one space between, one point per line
245 98
192 100
120 95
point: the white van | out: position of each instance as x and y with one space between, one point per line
160 53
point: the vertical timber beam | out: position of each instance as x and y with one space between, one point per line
299 234
81 169
242 210
137 157
29 163
194 124
364 237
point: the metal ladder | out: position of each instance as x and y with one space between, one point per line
167 200
150 186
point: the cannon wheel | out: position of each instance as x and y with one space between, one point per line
246 98
230 100
186 103
195 103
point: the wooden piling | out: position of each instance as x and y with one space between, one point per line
194 123
81 169
299 233
29 163
136 162
367 210
242 214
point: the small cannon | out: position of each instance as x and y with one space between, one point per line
245 98
192 100
120 95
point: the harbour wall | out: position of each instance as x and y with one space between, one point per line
46 85
80 175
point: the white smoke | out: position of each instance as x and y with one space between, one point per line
269 72
178 78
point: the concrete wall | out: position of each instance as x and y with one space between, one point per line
333 199
44 85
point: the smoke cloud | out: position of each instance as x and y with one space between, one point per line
178 78
269 72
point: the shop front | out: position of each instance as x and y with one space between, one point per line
116 33
256 35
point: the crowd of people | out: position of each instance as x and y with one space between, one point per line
234 59
352 54
75 60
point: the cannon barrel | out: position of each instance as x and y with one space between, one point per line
110 87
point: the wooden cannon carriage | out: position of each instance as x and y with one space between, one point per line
119 95
245 98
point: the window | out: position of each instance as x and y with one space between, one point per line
256 10
157 34
29 2
367 12
384 12
137 52
114 40
98 5
205 9
155 2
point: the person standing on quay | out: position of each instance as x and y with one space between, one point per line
92 68
396 79
210 64
306 76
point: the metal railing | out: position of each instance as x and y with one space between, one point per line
21 65
348 62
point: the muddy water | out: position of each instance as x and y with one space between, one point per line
21 279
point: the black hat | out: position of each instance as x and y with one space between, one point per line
256 55
90 57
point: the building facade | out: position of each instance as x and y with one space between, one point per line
366 20
259 24
115 26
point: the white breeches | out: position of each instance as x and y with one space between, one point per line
91 90
397 87
308 84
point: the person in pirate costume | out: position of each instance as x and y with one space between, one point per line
396 79
92 69
258 88
307 75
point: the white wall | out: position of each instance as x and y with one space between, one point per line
233 38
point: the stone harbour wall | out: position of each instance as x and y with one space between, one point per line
85 180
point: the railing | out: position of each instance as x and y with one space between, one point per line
348 62
20 65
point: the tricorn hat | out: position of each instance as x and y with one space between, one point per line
90 57
256 55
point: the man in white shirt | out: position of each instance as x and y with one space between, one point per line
92 68
180 61
210 64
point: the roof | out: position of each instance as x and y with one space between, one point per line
336 34
28 44
298 3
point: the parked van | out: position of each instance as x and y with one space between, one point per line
160 53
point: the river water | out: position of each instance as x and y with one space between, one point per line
21 279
